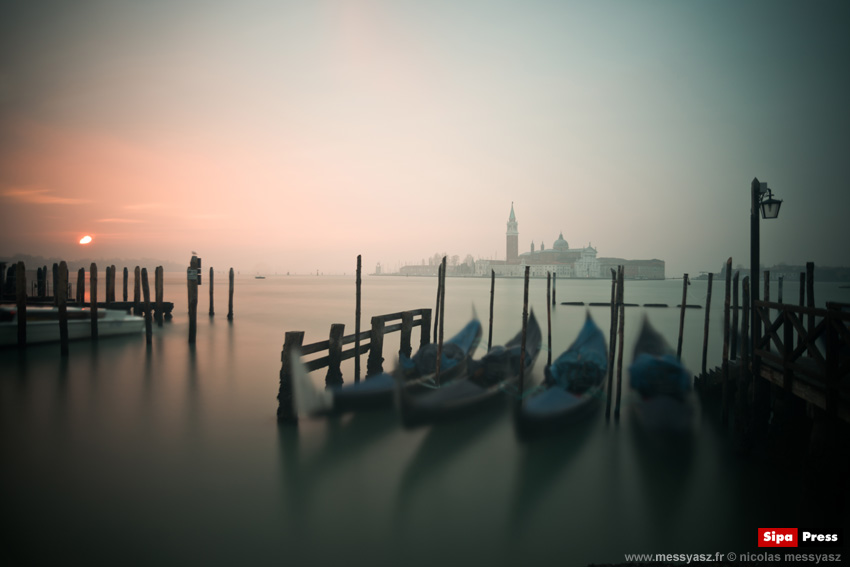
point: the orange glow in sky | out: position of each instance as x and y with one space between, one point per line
85 240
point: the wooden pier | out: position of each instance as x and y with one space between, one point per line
333 346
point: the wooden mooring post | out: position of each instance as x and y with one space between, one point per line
21 300
285 410
724 368
554 291
124 295
621 271
61 294
212 301
137 291
685 283
734 329
81 287
524 333
437 306
612 343
158 291
549 320
375 362
230 298
93 308
492 295
333 378
192 277
743 426
56 283
358 282
147 305
442 315
705 330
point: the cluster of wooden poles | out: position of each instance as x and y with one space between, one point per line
61 298
193 280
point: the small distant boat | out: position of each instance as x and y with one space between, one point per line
43 324
572 388
485 381
663 386
378 391
259 277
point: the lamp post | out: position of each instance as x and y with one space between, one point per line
760 198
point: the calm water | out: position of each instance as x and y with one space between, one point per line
125 454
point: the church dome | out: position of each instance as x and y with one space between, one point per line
561 244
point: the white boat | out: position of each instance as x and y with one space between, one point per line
43 324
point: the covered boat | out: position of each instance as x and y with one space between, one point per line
572 387
378 391
486 380
43 324
663 387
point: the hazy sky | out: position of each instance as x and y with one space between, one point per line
292 136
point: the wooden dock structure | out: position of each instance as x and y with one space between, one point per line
333 346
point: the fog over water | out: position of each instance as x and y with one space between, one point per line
172 454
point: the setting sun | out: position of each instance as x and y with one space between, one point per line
85 240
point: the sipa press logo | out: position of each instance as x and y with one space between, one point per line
777 537
799 537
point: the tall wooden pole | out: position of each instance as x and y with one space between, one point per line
802 302
93 284
442 312
492 295
137 291
685 283
21 299
724 406
549 319
755 192
554 288
230 297
192 273
358 282
61 293
437 307
524 332
147 305
734 327
212 301
124 295
612 344
705 330
621 271
158 285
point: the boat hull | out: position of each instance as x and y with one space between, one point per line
43 327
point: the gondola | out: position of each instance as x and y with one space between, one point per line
572 386
663 387
378 391
485 381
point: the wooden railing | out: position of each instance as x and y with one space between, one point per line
335 354
805 350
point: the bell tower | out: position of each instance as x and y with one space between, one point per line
512 238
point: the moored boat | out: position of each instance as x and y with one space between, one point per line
663 387
486 380
43 324
572 387
378 391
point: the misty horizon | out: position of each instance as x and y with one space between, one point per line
291 138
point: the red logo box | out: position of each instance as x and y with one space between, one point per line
778 537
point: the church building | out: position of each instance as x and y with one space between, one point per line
561 260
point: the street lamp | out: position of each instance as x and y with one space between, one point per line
761 197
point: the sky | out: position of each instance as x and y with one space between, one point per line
281 136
